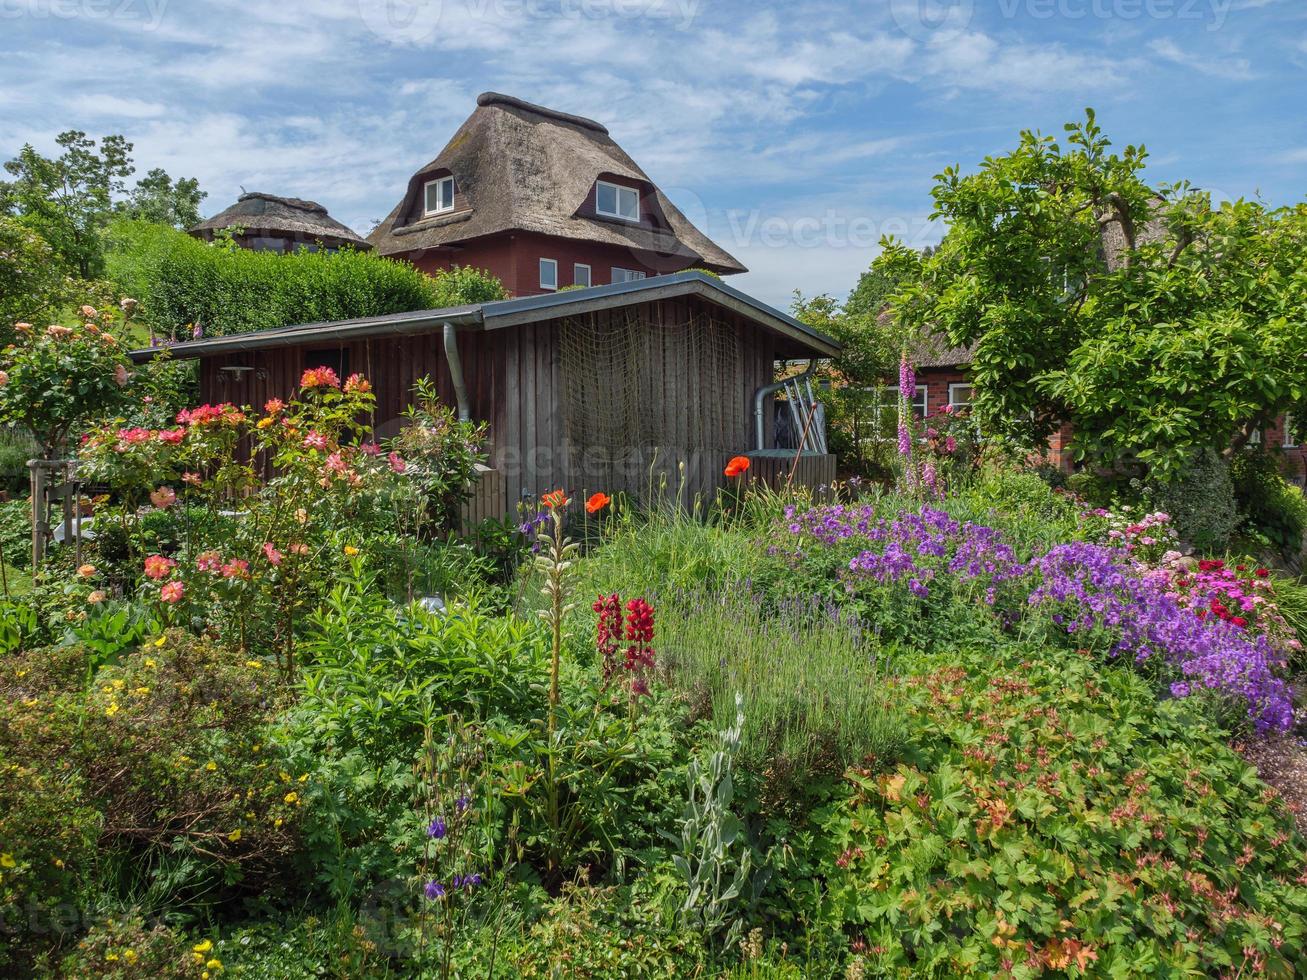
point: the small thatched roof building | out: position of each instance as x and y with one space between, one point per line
267 222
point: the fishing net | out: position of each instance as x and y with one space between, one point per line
632 385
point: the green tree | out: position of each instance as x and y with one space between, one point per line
33 283
159 199
1154 323
69 198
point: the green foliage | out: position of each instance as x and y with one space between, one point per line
1154 323
57 378
157 199
813 702
1273 510
443 453
16 448
224 289
150 781
1055 812
68 199
34 286
1200 501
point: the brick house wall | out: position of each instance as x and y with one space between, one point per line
938 379
515 259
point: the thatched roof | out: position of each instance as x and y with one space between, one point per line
1112 232
276 216
930 349
522 167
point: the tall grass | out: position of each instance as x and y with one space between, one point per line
811 677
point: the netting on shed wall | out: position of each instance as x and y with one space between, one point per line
630 384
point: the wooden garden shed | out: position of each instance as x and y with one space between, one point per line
617 387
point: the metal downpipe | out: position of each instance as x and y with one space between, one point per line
456 372
761 394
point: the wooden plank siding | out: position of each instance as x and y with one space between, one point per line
515 382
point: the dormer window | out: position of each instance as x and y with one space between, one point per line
438 196
616 201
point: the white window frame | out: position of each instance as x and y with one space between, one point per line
618 191
1287 441
1256 438
426 196
953 386
626 275
576 278
551 264
891 397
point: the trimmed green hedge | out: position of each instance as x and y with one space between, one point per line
181 281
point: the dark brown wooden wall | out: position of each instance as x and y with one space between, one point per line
514 379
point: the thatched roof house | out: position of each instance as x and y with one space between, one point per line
267 222
544 199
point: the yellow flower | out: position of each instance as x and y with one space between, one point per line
119 683
203 947
304 778
151 662
284 776
234 836
263 423
58 862
254 664
291 797
111 957
140 692
211 765
129 955
350 550
112 710
214 964
277 823
7 861
161 641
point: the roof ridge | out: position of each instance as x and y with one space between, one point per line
498 98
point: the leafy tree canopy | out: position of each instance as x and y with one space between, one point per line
70 198
1155 323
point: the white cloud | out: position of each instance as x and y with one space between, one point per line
1235 69
115 107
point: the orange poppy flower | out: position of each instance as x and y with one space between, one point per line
737 465
597 502
555 499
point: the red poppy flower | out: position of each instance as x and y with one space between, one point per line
597 502
555 499
737 465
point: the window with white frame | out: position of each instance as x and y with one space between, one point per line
616 201
886 412
960 395
580 274
548 274
438 195
1256 438
1290 440
626 275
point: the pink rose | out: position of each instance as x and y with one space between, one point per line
397 462
157 567
120 375
172 592
272 554
163 498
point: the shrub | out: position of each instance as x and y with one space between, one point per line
34 284
152 780
1054 817
16 448
226 290
1273 510
1200 501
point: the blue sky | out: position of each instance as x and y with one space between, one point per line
795 134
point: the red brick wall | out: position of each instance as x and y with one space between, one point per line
1059 444
515 259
